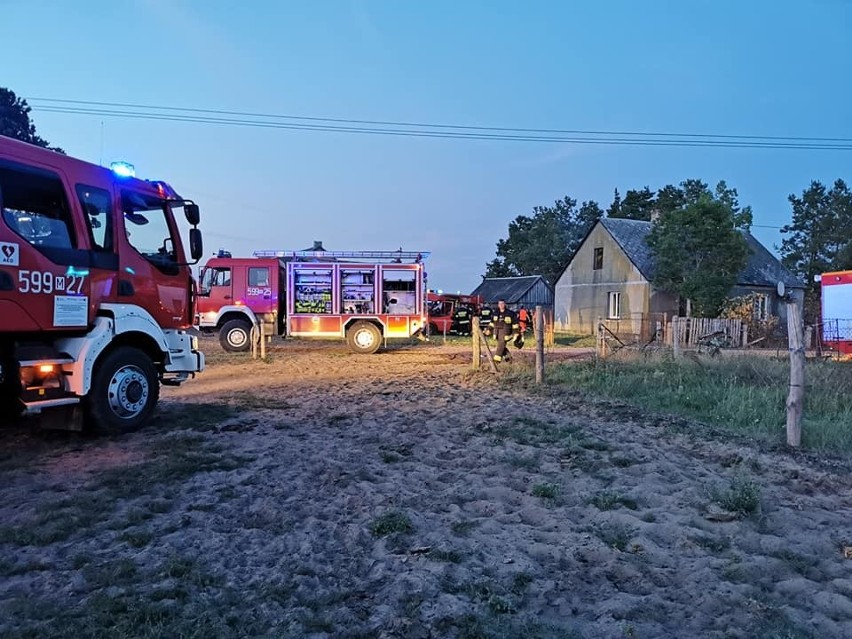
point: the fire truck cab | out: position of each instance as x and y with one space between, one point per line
364 297
96 295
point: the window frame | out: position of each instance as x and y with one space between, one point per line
66 210
109 233
597 258
613 299
252 281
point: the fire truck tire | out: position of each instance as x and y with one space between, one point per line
433 329
125 390
364 337
235 336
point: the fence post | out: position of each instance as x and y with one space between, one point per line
676 336
262 331
477 343
796 396
539 345
600 344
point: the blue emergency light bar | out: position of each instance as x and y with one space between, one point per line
123 169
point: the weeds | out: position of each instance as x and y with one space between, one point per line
546 491
614 534
392 522
608 500
741 497
449 556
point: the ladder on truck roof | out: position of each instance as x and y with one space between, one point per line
372 256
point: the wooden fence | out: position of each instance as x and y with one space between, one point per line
691 330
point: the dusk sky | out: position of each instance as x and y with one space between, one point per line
781 68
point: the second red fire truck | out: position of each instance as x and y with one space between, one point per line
364 297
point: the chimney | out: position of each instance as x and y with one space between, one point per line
318 246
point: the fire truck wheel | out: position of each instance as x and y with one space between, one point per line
124 392
235 336
364 337
433 329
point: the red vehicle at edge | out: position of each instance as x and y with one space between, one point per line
836 289
96 294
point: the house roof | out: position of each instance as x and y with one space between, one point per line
511 289
761 269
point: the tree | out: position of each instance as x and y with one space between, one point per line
614 209
542 244
637 205
15 120
699 251
818 239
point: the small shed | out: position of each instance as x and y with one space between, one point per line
529 291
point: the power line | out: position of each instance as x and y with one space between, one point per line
442 126
586 138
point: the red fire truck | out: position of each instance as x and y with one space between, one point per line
836 291
442 307
364 297
96 294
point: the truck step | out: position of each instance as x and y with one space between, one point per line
37 406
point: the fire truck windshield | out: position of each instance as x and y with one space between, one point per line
147 228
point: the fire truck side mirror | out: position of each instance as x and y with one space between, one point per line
193 214
196 245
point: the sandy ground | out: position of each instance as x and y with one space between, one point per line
401 495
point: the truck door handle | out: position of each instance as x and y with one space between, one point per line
227 297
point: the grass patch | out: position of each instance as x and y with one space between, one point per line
575 340
523 462
136 538
713 543
463 528
448 556
392 522
529 431
805 566
546 491
521 583
59 520
614 534
744 395
197 417
172 460
742 496
609 500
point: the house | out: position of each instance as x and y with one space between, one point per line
609 277
528 291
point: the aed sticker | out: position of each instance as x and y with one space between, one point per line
9 254
70 310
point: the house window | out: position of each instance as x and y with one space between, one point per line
613 305
598 263
761 307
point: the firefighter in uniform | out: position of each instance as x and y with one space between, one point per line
504 325
523 319
485 314
461 320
